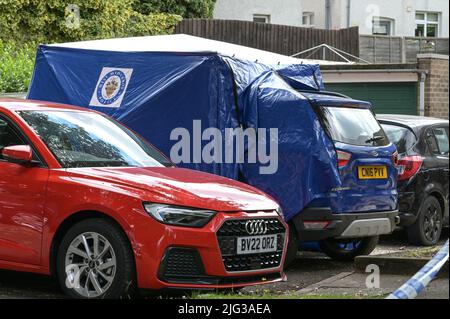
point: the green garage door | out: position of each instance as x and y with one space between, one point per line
398 98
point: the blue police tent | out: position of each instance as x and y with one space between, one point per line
163 86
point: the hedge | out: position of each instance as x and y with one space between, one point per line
16 66
25 23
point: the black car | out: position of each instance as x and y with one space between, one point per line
423 147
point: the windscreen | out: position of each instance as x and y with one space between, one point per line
84 139
401 136
353 126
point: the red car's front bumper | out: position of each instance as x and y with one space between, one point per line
191 258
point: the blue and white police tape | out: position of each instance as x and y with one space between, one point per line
416 284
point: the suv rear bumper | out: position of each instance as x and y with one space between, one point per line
319 223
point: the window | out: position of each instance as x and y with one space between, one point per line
432 144
308 19
261 18
427 24
437 140
401 136
382 26
353 126
441 136
8 136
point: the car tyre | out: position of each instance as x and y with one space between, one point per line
346 250
109 273
293 245
427 229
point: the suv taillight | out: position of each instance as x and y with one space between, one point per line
343 158
395 158
408 166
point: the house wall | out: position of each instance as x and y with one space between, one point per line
338 17
436 84
403 12
287 12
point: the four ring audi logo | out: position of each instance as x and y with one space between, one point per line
256 227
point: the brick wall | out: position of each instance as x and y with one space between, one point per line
436 85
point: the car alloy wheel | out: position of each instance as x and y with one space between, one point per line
428 227
90 264
432 223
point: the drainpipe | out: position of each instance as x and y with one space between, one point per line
349 9
423 77
328 14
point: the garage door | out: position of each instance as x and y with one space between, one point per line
397 98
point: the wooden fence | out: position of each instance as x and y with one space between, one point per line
383 49
281 39
289 40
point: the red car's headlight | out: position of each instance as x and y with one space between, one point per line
178 215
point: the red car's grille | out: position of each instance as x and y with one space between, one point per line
227 237
180 264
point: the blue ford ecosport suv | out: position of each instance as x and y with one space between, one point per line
348 220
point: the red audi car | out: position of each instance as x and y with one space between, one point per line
86 199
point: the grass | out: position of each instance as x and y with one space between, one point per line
423 252
291 296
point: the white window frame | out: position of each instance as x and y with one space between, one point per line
427 22
309 19
266 18
376 20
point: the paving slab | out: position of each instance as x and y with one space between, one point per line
354 284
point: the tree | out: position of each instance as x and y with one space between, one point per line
72 20
184 8
25 23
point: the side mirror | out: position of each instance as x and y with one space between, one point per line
20 154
